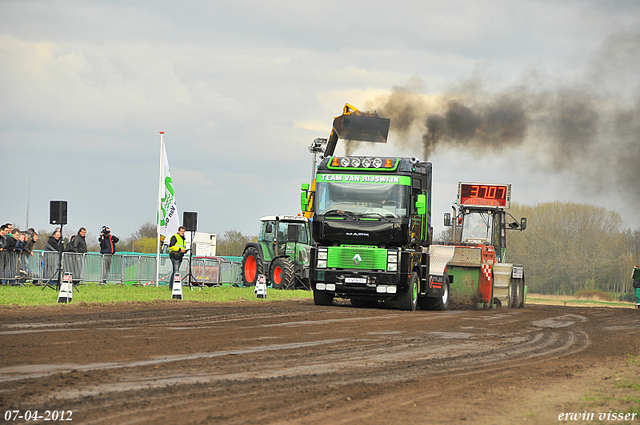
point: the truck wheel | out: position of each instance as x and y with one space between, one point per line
251 266
281 273
513 294
322 297
521 293
440 303
408 299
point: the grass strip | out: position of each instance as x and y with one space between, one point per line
30 295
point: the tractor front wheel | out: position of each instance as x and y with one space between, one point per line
281 273
251 266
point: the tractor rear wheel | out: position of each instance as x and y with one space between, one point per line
281 273
251 266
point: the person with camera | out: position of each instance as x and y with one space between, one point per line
107 249
177 248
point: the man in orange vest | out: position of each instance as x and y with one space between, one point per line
177 248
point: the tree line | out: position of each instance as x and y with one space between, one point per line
569 247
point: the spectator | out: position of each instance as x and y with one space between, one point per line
3 236
107 249
78 245
54 243
32 238
68 244
10 244
20 273
636 285
12 253
18 245
4 230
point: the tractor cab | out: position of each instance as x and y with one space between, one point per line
480 217
282 234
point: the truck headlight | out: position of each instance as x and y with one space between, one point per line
322 258
392 261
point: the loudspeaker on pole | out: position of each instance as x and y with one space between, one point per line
58 212
190 221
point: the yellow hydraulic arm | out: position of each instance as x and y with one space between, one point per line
351 125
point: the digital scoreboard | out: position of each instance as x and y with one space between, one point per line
486 195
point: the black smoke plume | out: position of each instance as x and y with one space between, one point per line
588 128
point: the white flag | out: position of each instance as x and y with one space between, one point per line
168 215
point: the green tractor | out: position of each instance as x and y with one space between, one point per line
281 253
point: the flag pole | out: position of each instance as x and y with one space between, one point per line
159 211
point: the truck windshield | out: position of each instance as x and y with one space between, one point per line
362 199
477 227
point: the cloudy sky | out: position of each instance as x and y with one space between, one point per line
540 94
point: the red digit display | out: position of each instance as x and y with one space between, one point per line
490 195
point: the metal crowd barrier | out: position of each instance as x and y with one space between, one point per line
121 268
215 271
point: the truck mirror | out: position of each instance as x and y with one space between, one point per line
305 186
523 223
447 219
421 204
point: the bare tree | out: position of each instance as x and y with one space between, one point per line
232 243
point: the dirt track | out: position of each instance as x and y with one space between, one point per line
293 362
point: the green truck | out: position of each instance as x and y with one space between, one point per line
371 223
